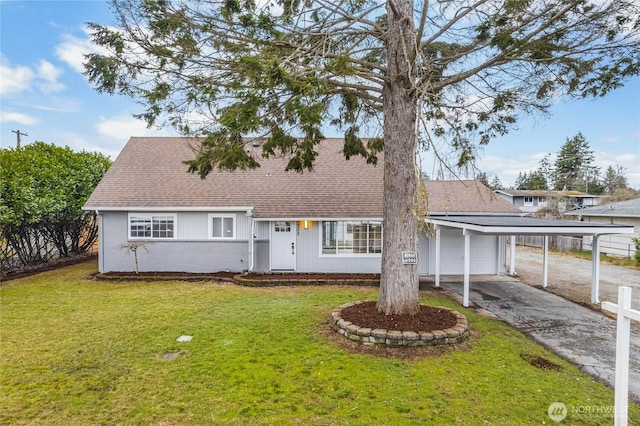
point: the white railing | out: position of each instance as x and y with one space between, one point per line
625 315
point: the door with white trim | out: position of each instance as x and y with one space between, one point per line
283 246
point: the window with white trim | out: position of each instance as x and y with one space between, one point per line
528 201
222 226
152 226
542 201
351 237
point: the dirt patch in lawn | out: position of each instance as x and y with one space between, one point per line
541 363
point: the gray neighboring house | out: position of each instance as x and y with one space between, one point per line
623 213
266 219
530 201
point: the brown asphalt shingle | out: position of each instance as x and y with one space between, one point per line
149 173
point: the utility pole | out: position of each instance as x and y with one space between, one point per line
18 134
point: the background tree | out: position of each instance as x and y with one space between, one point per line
545 169
534 180
43 190
521 181
614 179
458 71
573 168
496 184
483 178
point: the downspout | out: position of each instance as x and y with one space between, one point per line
252 245
467 267
100 242
437 265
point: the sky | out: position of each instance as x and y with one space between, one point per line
44 95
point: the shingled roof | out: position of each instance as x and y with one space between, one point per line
628 208
149 173
454 197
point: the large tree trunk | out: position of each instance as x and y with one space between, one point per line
399 282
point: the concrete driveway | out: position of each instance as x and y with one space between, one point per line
581 334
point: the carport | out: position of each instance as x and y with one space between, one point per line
518 225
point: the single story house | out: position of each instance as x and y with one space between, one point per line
328 220
266 219
622 212
530 201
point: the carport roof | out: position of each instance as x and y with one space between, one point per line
519 225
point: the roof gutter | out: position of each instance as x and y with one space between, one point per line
248 209
535 230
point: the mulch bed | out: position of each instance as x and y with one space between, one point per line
427 319
256 277
49 266
221 274
309 276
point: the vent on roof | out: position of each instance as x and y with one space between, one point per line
255 143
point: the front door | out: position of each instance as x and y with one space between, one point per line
283 248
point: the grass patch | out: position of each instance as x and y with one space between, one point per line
77 351
620 261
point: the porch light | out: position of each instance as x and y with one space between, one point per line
306 224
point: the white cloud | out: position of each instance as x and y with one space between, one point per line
16 117
73 48
49 75
508 168
86 143
629 160
123 127
14 79
21 78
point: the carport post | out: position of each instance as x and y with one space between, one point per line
437 255
467 250
595 264
545 261
512 266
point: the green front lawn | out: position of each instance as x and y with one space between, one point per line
78 351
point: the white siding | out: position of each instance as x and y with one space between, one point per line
616 244
483 252
309 260
423 254
192 226
190 252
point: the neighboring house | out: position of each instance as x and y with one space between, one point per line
530 201
266 219
622 212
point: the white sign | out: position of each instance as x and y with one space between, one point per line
625 315
409 258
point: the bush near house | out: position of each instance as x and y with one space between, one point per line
43 188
